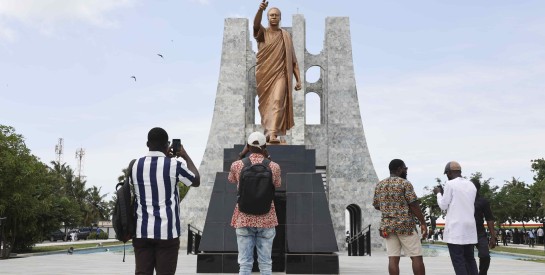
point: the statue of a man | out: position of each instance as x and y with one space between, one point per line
276 64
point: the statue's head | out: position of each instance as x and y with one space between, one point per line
274 15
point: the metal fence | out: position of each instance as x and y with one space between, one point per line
194 236
360 243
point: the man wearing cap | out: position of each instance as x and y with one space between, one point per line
254 230
396 199
460 233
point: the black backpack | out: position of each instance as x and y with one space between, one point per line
255 188
123 219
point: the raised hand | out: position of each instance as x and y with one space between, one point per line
263 5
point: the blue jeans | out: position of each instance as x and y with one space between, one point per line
247 239
463 259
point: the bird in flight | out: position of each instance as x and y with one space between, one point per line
134 77
160 55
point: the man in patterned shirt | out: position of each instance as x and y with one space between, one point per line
255 230
396 199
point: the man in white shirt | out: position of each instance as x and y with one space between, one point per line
540 235
460 232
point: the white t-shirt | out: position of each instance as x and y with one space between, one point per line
459 202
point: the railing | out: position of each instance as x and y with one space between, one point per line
360 243
194 236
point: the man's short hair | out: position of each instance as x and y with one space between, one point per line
157 137
477 184
395 164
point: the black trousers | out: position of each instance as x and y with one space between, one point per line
463 259
484 254
161 255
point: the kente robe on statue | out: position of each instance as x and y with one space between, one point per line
276 62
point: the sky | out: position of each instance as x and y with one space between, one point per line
436 80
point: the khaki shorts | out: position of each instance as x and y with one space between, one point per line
410 243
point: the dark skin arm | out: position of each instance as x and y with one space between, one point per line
259 15
190 165
247 149
415 209
492 241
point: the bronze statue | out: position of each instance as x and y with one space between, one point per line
276 63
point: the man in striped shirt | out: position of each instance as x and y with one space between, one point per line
157 203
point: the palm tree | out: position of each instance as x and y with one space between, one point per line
97 208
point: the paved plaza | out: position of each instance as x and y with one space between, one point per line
111 263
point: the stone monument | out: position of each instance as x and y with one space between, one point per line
341 153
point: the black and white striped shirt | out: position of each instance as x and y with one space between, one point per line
157 198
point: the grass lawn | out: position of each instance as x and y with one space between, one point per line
514 250
74 245
508 249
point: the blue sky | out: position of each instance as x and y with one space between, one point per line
437 80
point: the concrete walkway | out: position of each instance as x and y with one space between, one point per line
111 263
108 263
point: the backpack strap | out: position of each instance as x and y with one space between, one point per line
129 172
129 177
266 162
246 161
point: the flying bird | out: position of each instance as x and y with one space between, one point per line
160 55
134 77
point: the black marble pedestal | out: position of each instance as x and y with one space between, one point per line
304 242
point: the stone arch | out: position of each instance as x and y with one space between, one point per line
313 110
354 219
313 74
257 116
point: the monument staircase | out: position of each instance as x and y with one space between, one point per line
305 240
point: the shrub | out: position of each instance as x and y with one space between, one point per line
102 236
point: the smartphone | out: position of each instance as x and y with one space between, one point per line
176 144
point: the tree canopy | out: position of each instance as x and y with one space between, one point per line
36 199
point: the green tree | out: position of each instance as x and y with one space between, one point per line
537 190
486 191
538 167
27 194
67 204
97 208
516 201
429 205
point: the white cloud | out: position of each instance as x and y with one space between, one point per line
7 34
46 14
202 2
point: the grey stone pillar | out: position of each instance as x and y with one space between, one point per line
297 136
350 171
229 120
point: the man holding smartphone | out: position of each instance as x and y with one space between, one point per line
458 199
157 201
